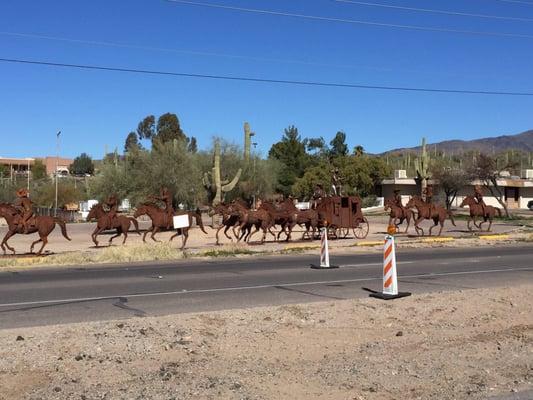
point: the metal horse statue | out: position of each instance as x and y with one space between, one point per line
429 211
478 210
161 221
105 221
398 214
43 225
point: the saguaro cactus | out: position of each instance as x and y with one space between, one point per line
422 166
247 141
213 182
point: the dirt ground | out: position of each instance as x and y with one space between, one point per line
459 345
81 239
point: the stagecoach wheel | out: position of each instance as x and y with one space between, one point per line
342 233
361 231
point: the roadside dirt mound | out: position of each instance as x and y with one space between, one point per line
472 344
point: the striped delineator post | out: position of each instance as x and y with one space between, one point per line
390 278
324 251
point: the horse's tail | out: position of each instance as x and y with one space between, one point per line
135 224
451 217
198 218
63 227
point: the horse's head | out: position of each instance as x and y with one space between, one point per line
140 210
220 208
94 212
467 201
387 205
412 202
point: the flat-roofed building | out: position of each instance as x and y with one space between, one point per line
21 166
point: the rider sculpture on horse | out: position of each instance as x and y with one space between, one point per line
478 195
428 196
25 207
112 204
166 197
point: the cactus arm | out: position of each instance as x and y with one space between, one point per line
231 185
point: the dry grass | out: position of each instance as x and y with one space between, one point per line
114 254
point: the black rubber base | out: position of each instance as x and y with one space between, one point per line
384 296
314 266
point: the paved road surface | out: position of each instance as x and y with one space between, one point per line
75 294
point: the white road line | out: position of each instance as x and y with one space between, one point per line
372 264
228 289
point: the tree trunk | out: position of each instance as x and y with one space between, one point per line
497 193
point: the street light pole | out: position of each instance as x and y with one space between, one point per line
57 165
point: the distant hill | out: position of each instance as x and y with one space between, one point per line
522 141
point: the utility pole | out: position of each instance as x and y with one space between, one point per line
254 178
57 165
28 184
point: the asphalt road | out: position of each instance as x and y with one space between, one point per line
75 294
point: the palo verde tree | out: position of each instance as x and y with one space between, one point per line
450 177
488 169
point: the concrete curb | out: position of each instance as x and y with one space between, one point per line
494 237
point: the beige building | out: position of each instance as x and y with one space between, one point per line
20 166
517 191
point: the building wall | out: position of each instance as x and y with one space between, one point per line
526 195
62 163
406 191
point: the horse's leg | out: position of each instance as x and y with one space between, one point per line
217 232
468 224
227 229
441 225
119 232
408 219
291 227
490 224
174 235
94 234
147 232
184 238
44 239
417 228
6 238
250 234
33 245
154 231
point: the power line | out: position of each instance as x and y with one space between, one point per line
351 21
224 55
264 80
433 11
191 52
517 2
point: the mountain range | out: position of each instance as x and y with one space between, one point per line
522 141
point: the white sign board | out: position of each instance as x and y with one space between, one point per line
181 221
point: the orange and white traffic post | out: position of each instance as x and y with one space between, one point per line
390 278
324 251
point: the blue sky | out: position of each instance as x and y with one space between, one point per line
95 109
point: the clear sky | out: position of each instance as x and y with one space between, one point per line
96 108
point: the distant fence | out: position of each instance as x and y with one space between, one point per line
67 216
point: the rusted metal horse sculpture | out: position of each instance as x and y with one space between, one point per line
309 218
104 222
476 210
282 216
43 225
260 219
230 219
161 222
398 214
429 211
